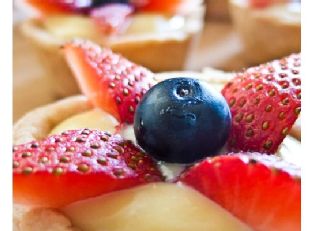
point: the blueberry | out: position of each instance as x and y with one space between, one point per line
182 120
97 3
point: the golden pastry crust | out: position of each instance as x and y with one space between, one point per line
264 37
38 123
39 219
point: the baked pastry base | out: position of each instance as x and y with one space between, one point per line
264 38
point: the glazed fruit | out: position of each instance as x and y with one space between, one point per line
261 190
171 6
182 120
153 207
265 102
110 81
112 18
261 3
76 165
50 7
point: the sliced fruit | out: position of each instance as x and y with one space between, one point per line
164 6
265 102
112 18
110 81
260 3
261 190
49 7
159 206
266 3
76 165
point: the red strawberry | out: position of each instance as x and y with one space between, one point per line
260 3
171 6
112 18
265 3
47 7
76 165
110 81
265 102
263 191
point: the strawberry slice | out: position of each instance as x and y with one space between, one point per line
49 7
163 6
261 190
265 102
265 3
112 18
76 165
260 3
110 81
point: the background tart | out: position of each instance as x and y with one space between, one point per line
148 38
269 32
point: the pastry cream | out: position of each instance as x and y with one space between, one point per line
282 11
66 27
153 207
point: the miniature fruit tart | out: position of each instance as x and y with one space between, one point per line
142 33
269 29
153 152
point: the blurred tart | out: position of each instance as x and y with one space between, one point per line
142 34
268 29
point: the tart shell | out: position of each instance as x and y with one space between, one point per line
264 38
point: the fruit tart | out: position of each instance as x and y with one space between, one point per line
142 31
171 151
269 29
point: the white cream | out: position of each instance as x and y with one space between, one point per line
65 27
286 12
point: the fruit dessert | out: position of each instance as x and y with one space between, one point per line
142 31
268 29
146 151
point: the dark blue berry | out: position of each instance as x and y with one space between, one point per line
97 3
182 120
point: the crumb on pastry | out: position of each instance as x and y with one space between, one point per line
40 219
